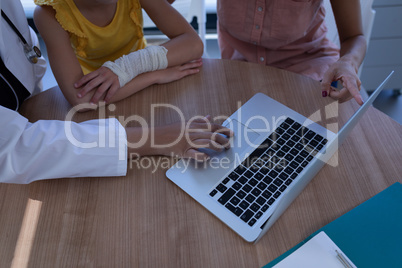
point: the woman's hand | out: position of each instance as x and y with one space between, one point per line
348 18
103 80
343 71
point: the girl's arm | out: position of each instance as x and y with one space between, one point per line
62 58
353 48
184 45
67 70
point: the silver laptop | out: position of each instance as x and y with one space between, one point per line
274 154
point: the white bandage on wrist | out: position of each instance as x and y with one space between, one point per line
149 59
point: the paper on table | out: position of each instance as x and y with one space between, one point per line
318 252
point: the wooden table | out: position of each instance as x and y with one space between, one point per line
144 220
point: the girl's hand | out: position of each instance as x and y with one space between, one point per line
103 80
106 83
178 72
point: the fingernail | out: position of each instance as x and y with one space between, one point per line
362 99
79 95
324 93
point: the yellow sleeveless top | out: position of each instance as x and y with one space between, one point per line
94 45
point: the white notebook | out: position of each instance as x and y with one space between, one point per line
320 251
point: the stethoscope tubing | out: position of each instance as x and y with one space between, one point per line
31 52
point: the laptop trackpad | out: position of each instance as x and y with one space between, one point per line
243 139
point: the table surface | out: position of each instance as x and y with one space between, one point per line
144 220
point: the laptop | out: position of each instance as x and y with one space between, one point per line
274 154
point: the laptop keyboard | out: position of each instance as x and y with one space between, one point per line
265 174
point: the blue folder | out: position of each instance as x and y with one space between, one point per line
370 234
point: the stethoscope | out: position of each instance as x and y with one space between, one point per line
31 52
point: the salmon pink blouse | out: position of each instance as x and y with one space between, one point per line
288 34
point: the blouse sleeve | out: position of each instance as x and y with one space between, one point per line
64 15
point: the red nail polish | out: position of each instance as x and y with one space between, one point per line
324 93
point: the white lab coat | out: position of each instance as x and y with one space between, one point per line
50 149
11 49
46 150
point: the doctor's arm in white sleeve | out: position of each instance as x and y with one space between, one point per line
50 149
